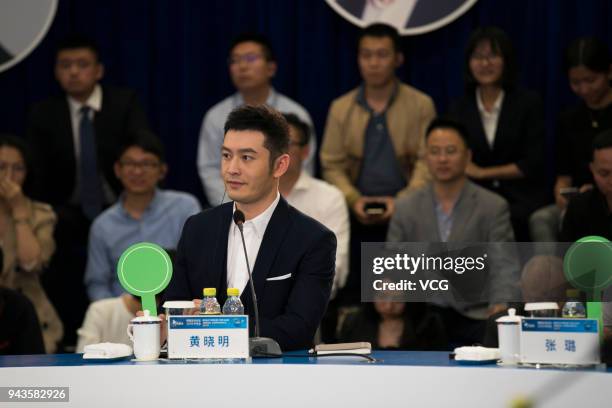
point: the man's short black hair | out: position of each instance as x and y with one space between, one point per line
73 41
302 127
146 140
500 45
265 120
603 140
380 30
262 40
448 123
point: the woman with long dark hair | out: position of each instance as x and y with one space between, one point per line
505 127
26 237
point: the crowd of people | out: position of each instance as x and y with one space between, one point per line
83 184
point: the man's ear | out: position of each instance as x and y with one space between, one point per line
163 171
117 169
272 67
100 71
399 59
281 164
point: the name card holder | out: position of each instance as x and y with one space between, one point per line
559 341
208 336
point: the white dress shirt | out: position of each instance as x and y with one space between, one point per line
326 204
490 119
254 230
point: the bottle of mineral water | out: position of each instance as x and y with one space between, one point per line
233 305
573 307
210 305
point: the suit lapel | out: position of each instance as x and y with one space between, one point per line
503 122
462 213
270 245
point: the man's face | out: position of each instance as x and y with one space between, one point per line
249 68
601 167
378 60
447 155
589 85
297 152
486 66
78 70
139 171
245 166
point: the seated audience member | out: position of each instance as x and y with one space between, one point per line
143 213
505 127
589 73
20 332
372 149
252 65
316 198
395 325
74 137
107 320
26 232
453 209
588 213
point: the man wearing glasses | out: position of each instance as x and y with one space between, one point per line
252 65
143 213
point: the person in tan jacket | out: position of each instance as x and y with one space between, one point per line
26 237
373 144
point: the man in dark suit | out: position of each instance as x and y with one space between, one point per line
292 256
73 138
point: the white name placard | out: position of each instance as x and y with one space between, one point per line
559 341
208 336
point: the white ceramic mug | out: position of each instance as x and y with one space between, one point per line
144 331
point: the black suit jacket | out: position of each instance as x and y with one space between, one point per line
290 309
49 133
519 139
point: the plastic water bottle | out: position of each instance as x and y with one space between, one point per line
573 308
233 305
210 305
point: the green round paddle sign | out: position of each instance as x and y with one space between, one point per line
144 270
588 265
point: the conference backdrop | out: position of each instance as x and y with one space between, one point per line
174 54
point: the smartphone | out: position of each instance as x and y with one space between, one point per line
375 208
568 192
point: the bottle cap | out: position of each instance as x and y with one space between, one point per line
233 292
210 292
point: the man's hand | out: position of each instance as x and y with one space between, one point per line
496 308
372 219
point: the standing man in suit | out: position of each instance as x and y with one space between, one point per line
291 255
453 209
74 138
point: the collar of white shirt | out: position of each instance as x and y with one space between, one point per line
260 223
303 182
496 106
94 101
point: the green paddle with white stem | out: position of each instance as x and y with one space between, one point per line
588 266
144 270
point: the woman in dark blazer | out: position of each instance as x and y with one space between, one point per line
505 126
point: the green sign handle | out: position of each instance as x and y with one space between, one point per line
594 310
148 303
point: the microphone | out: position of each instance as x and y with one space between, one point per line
258 346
